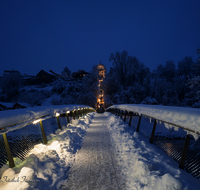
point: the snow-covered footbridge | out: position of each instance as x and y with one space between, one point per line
72 147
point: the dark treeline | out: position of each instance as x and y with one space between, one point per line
130 82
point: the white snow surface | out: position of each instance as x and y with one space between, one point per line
182 116
47 164
141 166
28 115
144 166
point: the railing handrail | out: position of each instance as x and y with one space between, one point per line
116 109
9 119
140 110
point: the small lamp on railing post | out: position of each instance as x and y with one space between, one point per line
67 116
42 130
58 120
43 133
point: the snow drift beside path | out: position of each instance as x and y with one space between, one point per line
144 166
12 117
47 165
185 117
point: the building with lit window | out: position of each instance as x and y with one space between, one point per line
100 99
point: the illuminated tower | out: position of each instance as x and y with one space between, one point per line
102 71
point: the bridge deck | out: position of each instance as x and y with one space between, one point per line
95 165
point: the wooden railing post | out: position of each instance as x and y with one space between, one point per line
77 113
118 111
153 132
67 117
121 113
43 133
10 158
130 119
138 125
125 115
73 113
58 121
184 153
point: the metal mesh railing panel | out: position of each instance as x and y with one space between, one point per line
174 149
172 144
21 141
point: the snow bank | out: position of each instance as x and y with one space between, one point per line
28 115
47 165
143 165
185 117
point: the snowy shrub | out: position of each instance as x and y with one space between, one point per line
149 101
170 98
87 99
108 101
56 100
59 86
196 105
132 100
34 98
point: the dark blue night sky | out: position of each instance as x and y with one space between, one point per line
53 34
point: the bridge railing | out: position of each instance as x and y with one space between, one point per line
16 120
175 116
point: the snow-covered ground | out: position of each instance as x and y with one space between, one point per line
185 117
48 164
144 166
140 165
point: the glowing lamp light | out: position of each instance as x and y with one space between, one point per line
57 114
36 121
68 111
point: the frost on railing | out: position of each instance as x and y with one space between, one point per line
27 121
179 117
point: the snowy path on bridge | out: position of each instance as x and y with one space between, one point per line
96 153
95 164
